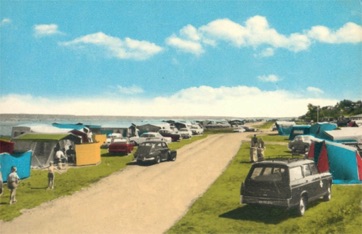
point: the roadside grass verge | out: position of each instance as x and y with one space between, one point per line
33 191
219 209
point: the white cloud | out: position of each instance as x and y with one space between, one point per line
185 45
349 33
5 21
189 40
116 47
315 90
269 78
238 101
131 90
268 52
256 33
41 30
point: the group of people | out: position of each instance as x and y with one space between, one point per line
12 184
64 156
257 148
13 181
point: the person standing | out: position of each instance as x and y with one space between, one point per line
261 148
51 176
13 182
59 155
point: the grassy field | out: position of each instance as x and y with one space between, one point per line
33 191
219 209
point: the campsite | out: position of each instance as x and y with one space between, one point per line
222 207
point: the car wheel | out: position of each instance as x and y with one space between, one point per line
328 195
302 206
173 158
158 160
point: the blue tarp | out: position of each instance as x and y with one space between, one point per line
22 161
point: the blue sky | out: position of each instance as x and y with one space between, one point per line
179 58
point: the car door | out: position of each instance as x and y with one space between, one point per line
164 150
313 181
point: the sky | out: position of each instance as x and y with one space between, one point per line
179 58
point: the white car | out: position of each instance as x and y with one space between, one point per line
300 144
110 139
238 129
185 133
147 136
196 129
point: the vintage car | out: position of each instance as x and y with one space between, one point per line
169 133
147 136
285 184
185 133
120 146
300 144
154 151
196 129
109 140
249 128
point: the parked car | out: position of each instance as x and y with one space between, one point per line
300 144
168 133
238 129
109 140
285 184
196 129
120 146
147 136
249 129
154 151
185 133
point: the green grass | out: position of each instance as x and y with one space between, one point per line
219 209
32 191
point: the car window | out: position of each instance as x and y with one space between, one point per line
268 173
306 170
295 173
313 168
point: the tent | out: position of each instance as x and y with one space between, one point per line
36 128
44 145
347 134
20 160
318 129
284 127
299 130
343 162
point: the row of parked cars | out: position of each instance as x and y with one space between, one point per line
117 144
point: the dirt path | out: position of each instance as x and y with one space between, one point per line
139 199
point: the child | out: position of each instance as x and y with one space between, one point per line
51 176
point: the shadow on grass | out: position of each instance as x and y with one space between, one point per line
267 215
114 155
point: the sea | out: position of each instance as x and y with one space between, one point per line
7 121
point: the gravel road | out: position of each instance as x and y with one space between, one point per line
138 199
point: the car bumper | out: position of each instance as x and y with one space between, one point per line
285 203
139 159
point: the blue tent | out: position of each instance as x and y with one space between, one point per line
318 129
284 127
343 162
22 161
299 130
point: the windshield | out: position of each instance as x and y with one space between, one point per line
268 173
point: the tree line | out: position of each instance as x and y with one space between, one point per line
342 111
